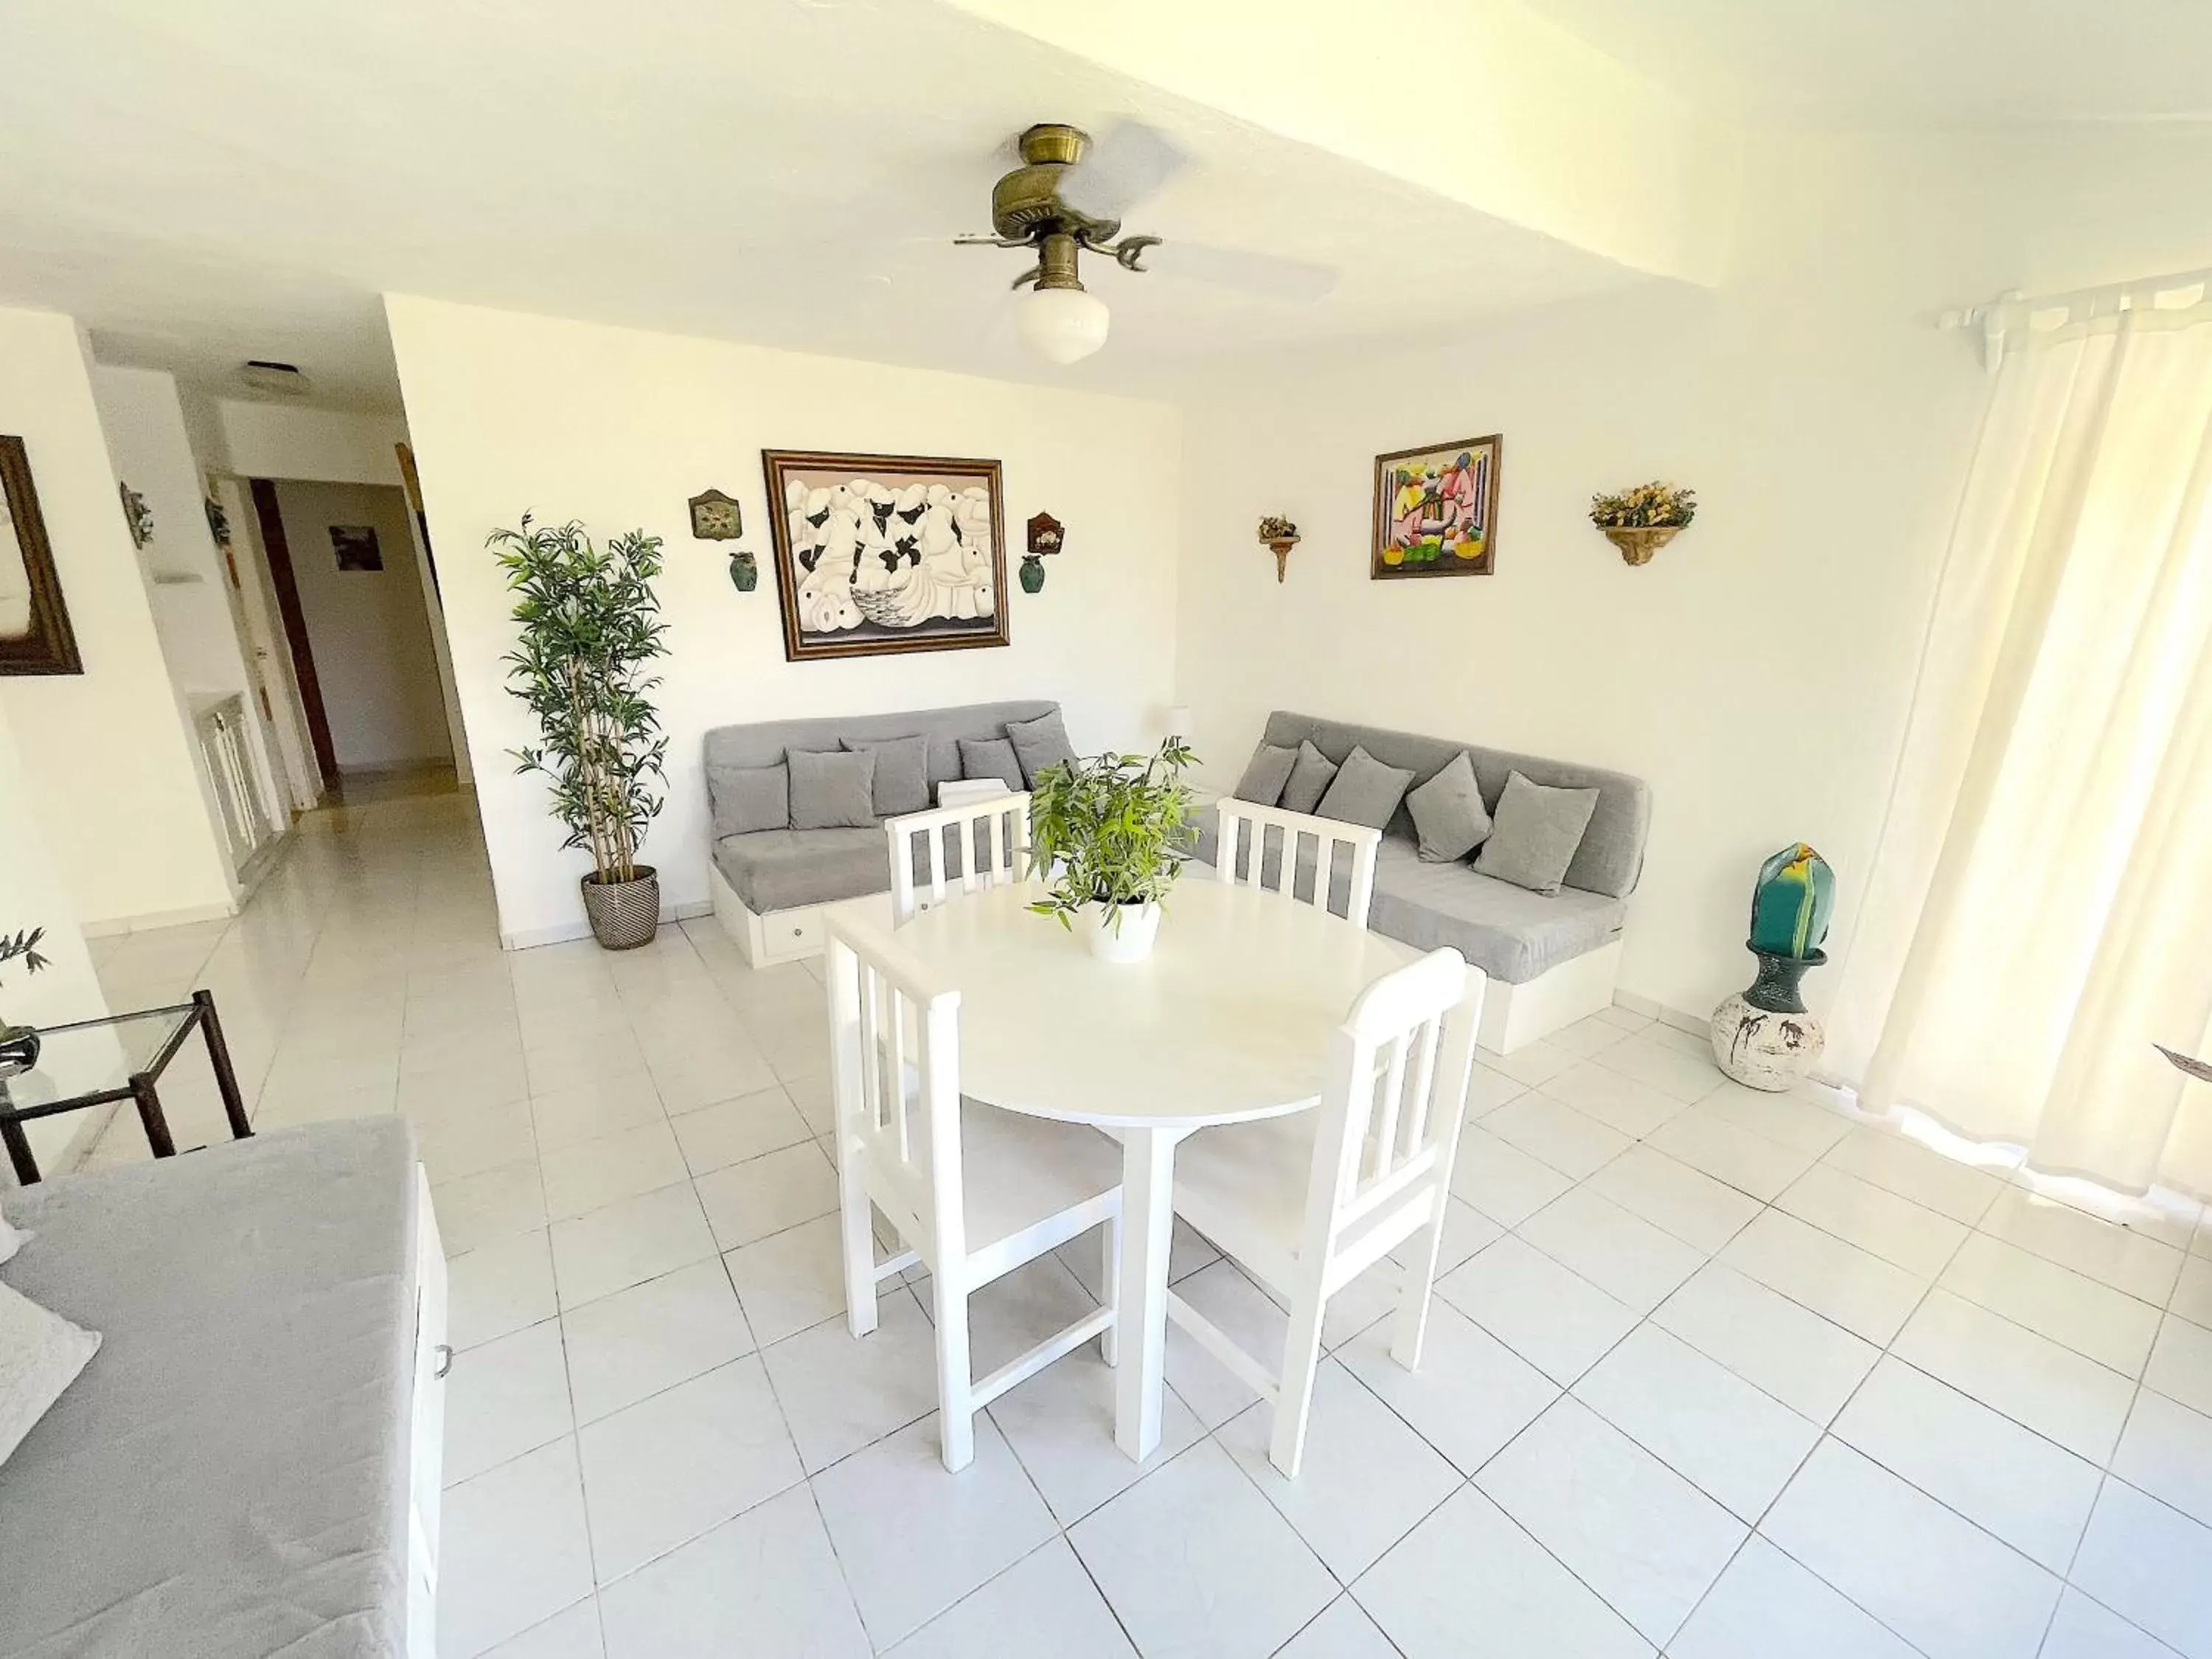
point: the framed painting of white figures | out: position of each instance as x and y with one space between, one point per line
875 554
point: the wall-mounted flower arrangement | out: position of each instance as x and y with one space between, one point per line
1278 535
136 515
1642 520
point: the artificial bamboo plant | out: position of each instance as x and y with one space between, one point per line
590 623
1112 831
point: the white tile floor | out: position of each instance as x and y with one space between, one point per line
1711 1373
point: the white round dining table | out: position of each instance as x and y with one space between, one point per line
1227 1021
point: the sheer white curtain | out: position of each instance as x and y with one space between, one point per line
2040 909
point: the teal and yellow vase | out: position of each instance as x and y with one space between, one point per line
1764 1036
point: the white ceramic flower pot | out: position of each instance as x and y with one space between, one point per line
1132 940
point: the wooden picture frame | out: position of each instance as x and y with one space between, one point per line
878 555
35 637
1436 511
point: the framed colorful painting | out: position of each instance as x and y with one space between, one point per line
1436 510
880 554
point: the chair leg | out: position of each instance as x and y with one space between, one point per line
1110 1340
856 1226
956 1411
1294 1400
1410 1324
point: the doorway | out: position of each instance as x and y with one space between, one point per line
344 569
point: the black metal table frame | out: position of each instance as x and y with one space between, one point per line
142 1090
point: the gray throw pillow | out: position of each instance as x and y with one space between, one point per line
1448 814
990 757
1038 744
1265 774
40 1354
1365 791
1310 775
749 798
1536 833
901 772
832 789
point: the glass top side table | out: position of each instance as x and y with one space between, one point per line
116 1057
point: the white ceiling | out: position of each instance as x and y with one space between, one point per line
1912 64
231 178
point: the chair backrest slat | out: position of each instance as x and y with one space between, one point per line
976 847
1246 828
1396 1093
895 1074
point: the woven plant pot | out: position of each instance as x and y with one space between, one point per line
1638 542
623 914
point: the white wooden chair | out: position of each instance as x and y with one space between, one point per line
990 841
1307 1203
971 1191
1246 823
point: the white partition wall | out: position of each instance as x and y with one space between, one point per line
106 754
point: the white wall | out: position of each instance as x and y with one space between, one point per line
33 895
116 790
287 440
618 428
1758 672
149 441
369 631
144 426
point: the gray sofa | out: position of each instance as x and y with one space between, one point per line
779 878
1563 947
230 1474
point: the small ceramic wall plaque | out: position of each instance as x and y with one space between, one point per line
1046 534
716 518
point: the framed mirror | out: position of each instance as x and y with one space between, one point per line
34 625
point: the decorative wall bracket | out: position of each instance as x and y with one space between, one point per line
1279 536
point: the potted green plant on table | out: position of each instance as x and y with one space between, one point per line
590 623
1111 835
19 1044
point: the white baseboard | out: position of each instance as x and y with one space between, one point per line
112 926
567 932
1681 1019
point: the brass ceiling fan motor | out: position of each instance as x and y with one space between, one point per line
1027 210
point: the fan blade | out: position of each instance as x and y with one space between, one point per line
1266 275
1121 170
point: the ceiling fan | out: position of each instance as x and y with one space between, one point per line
1068 198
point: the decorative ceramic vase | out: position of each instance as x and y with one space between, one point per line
623 914
1032 574
745 574
1129 941
1764 1036
1638 542
1280 546
19 1048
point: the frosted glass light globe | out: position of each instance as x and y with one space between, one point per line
1062 324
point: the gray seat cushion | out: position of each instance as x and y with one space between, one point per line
782 869
1509 932
229 1474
